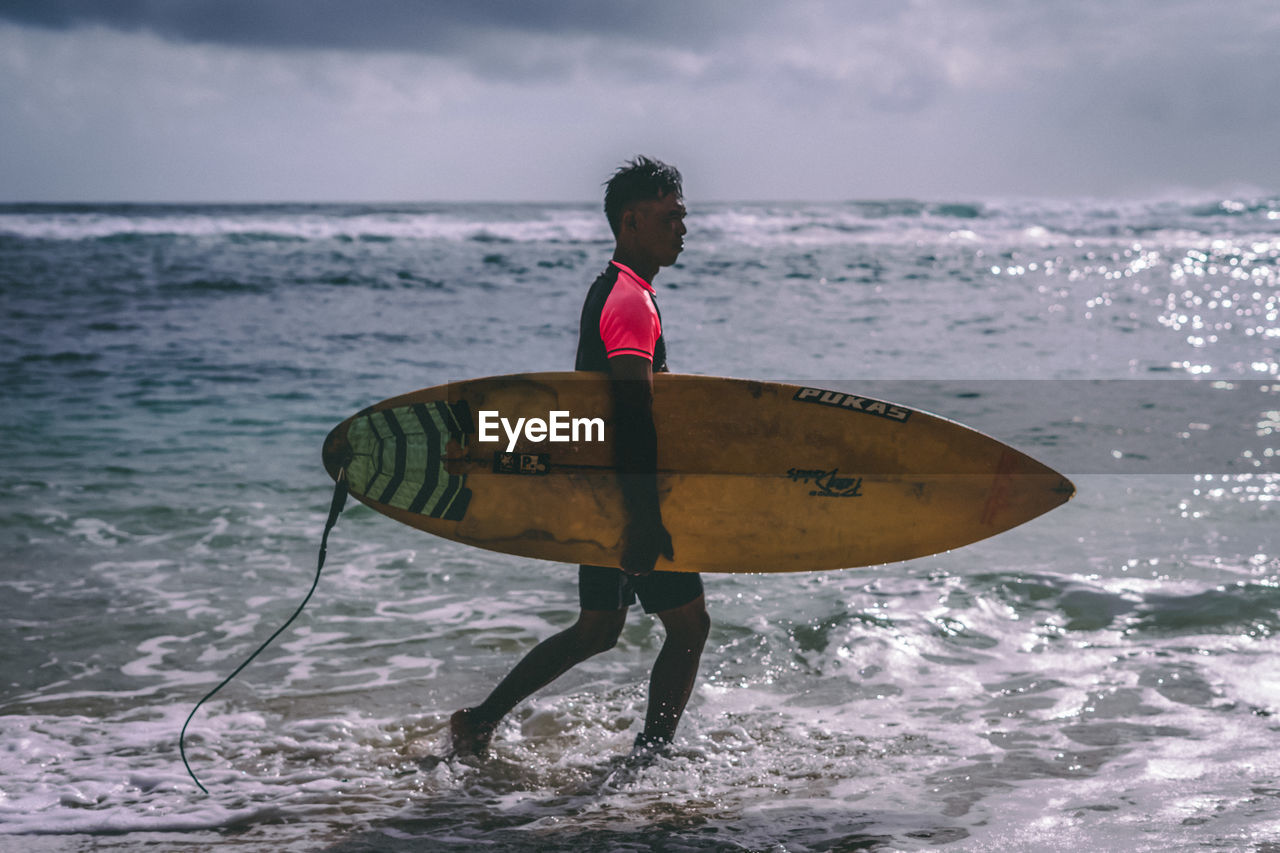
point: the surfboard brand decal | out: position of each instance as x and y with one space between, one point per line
535 464
829 483
398 458
853 403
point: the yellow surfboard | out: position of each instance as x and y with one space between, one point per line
752 476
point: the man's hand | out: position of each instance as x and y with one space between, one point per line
643 542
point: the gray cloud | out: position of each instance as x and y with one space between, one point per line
400 25
510 98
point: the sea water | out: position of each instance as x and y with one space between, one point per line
1103 677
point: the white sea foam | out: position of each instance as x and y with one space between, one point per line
1023 222
548 226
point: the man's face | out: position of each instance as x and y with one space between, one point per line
659 230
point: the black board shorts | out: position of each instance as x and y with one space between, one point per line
606 588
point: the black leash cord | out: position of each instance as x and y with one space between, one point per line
335 508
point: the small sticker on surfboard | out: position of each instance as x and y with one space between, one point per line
529 464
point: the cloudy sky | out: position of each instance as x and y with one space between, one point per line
386 100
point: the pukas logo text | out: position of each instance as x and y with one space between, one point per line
852 403
559 426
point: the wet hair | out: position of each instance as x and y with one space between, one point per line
641 179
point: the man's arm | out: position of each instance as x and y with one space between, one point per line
636 455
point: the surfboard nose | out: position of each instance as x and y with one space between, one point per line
337 450
1066 489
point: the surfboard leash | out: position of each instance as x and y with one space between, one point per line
335 509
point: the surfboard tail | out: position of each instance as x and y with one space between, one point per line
337 450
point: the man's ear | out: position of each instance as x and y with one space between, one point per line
628 220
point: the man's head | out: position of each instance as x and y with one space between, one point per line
641 179
644 203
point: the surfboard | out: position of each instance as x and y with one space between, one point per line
752 476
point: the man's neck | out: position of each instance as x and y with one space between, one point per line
646 270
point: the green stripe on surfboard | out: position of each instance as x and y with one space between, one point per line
398 459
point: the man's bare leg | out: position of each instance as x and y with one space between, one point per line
595 631
675 670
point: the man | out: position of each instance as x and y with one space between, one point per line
620 333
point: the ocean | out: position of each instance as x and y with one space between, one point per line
1103 677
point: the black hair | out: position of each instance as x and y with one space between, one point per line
641 179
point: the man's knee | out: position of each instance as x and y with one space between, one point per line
689 624
701 625
598 632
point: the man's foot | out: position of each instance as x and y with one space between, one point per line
470 735
648 749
